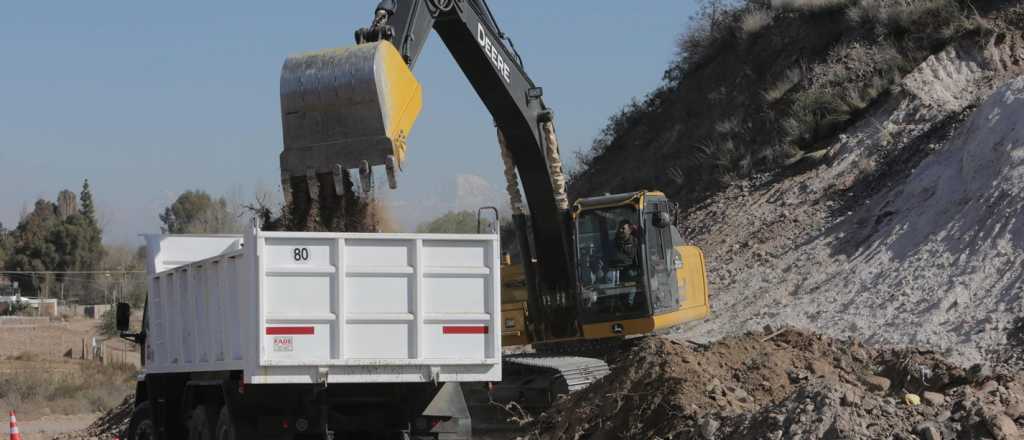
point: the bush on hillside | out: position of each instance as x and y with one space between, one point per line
757 84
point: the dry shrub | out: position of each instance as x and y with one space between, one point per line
907 16
92 387
754 20
809 5
730 160
789 80
711 29
850 78
26 356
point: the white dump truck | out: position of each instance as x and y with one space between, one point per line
286 335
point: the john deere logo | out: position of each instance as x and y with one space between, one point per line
617 328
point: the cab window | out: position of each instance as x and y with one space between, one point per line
609 255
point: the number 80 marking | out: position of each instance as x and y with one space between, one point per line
300 254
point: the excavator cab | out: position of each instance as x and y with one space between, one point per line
635 275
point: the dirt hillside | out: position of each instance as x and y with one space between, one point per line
907 233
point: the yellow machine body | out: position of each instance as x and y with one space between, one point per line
693 292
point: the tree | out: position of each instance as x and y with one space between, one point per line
45 240
461 222
4 245
195 212
67 204
130 287
32 249
78 242
88 206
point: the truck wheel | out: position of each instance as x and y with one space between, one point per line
225 425
141 426
199 426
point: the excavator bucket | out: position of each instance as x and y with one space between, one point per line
344 109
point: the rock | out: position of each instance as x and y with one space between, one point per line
1003 428
928 431
979 372
933 399
797 375
876 384
851 399
742 396
820 368
1015 411
990 387
708 428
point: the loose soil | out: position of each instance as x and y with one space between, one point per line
790 384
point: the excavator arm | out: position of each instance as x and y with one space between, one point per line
352 108
495 70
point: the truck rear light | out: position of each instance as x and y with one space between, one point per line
464 329
427 423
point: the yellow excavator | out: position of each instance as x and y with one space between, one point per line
600 269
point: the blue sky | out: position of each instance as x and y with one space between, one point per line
150 99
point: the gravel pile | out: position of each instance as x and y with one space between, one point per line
109 426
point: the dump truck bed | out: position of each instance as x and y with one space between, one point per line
302 308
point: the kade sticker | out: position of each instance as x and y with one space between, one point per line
283 344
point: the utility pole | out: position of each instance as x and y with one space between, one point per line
124 284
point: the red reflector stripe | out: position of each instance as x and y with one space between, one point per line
289 330
465 330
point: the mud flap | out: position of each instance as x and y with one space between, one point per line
447 415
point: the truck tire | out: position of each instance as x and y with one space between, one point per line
225 425
141 426
199 425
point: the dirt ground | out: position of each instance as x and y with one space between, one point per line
44 378
46 338
46 428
